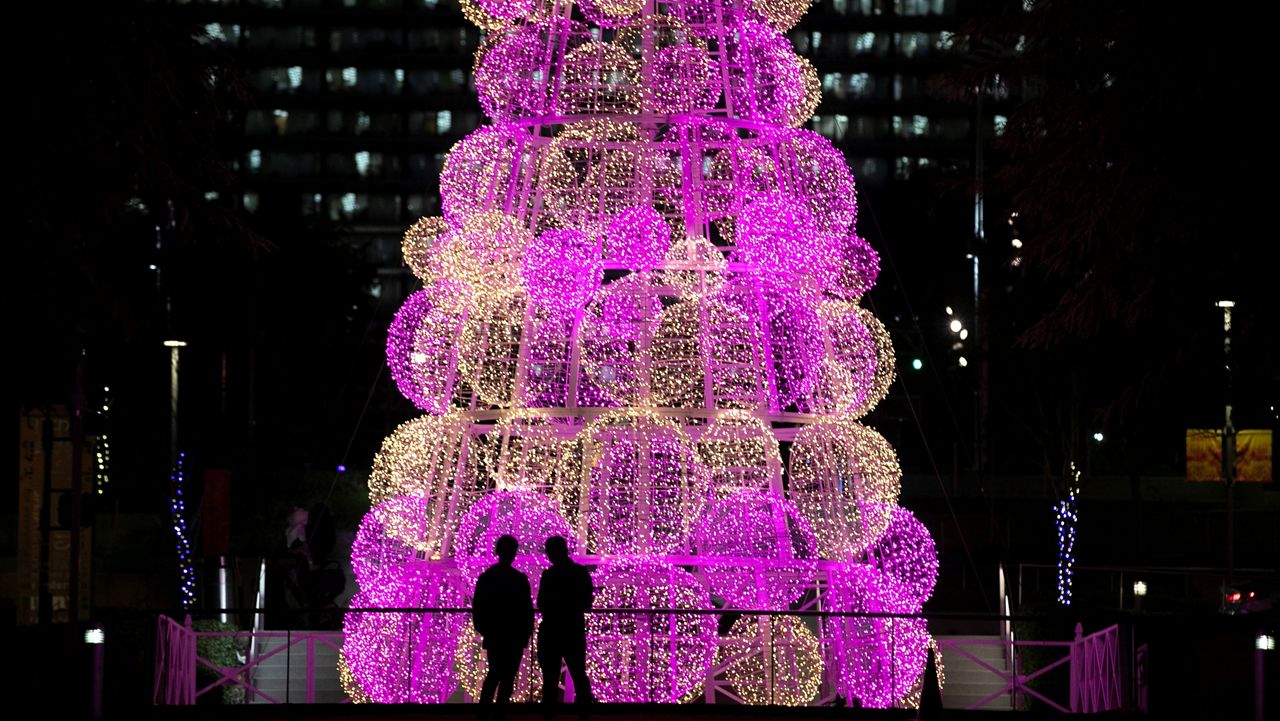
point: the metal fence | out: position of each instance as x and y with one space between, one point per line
794 658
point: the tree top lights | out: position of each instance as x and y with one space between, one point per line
641 327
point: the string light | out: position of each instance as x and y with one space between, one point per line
757 551
694 266
740 452
599 78
422 350
781 14
178 513
677 69
471 664
402 656
591 172
477 170
642 487
421 243
529 516
638 238
906 553
845 478
1066 520
529 451
428 458
644 275
773 660
489 347
882 657
610 13
642 657
102 451
562 269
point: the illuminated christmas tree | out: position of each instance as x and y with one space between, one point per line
645 286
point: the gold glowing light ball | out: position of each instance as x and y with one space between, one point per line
347 680
773 660
477 171
802 111
731 344
599 78
845 478
694 266
642 486
676 362
593 170
422 458
489 346
488 252
529 451
481 18
739 451
471 663
616 337
433 355
676 66
420 244
781 14
885 363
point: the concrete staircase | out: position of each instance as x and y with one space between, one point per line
967 682
283 676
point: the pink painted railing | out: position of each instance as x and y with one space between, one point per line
1093 661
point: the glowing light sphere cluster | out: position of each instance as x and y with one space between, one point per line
644 292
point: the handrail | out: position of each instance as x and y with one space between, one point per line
1093 661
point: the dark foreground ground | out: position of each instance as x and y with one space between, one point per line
602 712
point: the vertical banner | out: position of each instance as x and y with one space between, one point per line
41 527
1253 455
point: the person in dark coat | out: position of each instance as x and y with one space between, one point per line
502 613
564 596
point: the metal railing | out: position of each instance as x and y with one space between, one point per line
1097 676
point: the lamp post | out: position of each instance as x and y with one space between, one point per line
1228 437
174 346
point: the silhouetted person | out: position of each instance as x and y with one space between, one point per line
564 596
502 613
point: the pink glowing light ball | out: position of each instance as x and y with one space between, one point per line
562 269
881 658
759 550
529 516
640 656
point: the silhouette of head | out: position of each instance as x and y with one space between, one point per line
557 549
506 548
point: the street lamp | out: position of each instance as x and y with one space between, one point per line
1228 437
174 346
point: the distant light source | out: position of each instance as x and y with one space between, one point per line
151 267
1225 304
175 344
964 362
956 325
1265 642
342 468
949 311
1139 588
94 635
917 364
964 333
1098 436
1016 242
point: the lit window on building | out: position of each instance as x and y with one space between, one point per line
919 125
255 160
362 163
859 84
444 122
349 77
295 77
1000 123
363 123
250 201
946 40
865 42
281 120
